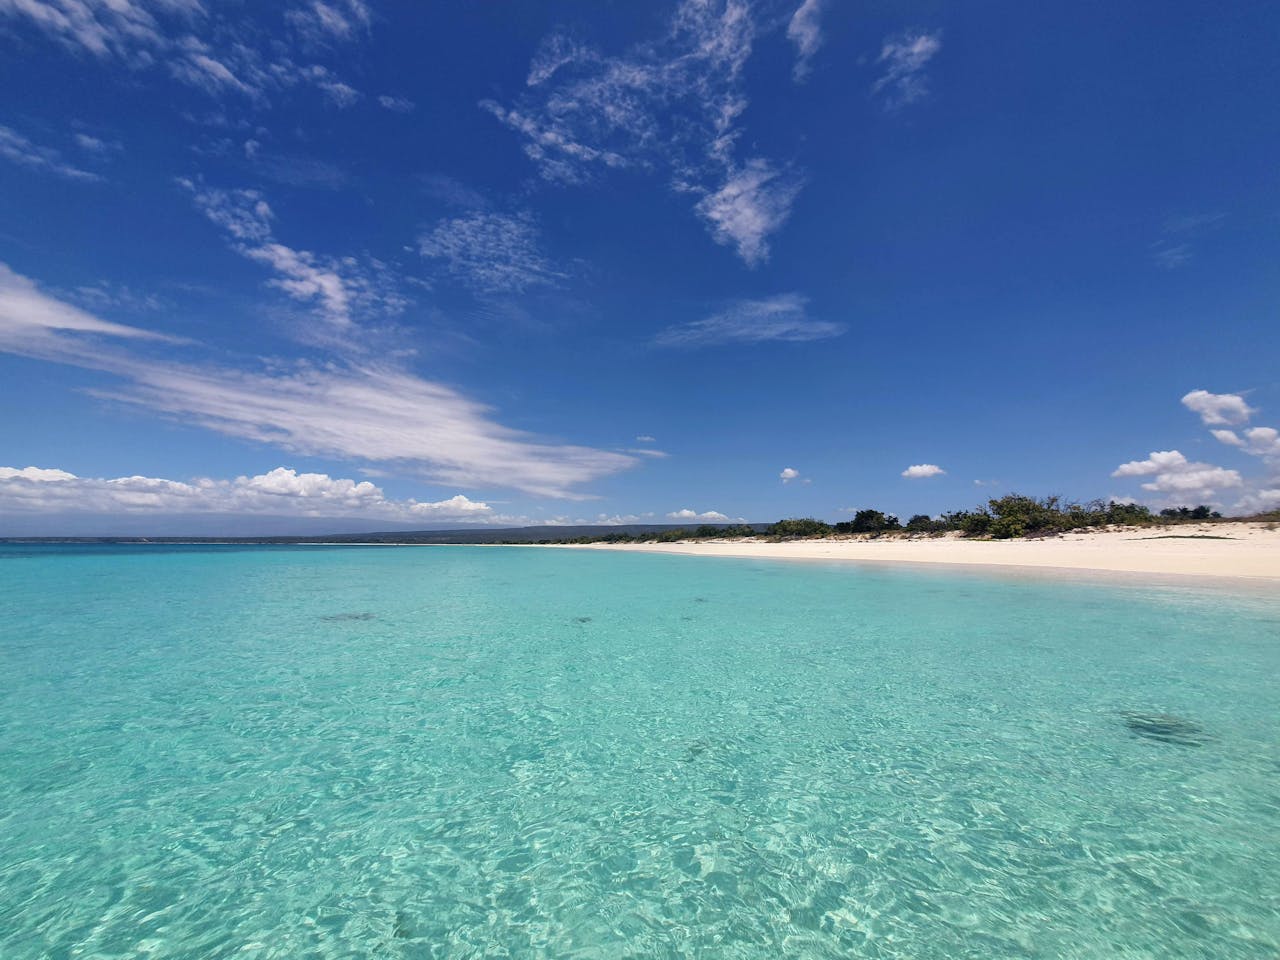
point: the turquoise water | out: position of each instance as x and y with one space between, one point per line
490 752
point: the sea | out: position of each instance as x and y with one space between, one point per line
447 752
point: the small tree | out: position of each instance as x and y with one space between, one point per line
803 527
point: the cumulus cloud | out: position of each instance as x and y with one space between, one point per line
919 471
279 492
672 105
1160 460
805 31
1261 500
904 59
1181 481
1263 442
493 253
35 474
18 149
1218 409
707 516
369 413
788 474
1173 474
780 318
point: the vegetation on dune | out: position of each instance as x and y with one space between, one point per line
1001 518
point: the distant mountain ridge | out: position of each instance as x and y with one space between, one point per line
513 535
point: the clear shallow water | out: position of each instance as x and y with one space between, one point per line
465 752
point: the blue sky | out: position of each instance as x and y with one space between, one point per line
342 265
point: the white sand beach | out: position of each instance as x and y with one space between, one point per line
1242 551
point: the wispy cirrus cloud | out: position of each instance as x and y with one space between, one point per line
496 253
672 105
320 23
363 412
781 318
396 104
804 29
342 290
753 202
31 318
21 150
1176 245
904 58
215 50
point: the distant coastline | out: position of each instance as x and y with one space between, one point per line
1244 551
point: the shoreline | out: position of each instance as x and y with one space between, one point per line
1247 554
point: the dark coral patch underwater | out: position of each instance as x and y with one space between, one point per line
1165 728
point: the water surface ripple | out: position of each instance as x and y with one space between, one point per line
487 752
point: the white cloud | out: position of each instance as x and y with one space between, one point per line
1263 442
1170 256
1174 248
341 95
904 59
95 144
918 471
35 474
396 104
370 413
1159 461
672 105
1261 500
754 201
779 318
1182 481
1173 474
490 252
29 316
343 290
645 438
198 69
1218 409
707 516
206 47
1228 437
788 474
805 31
648 452
123 29
16 148
1201 479
279 492
321 23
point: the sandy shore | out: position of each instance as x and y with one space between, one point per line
1238 551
